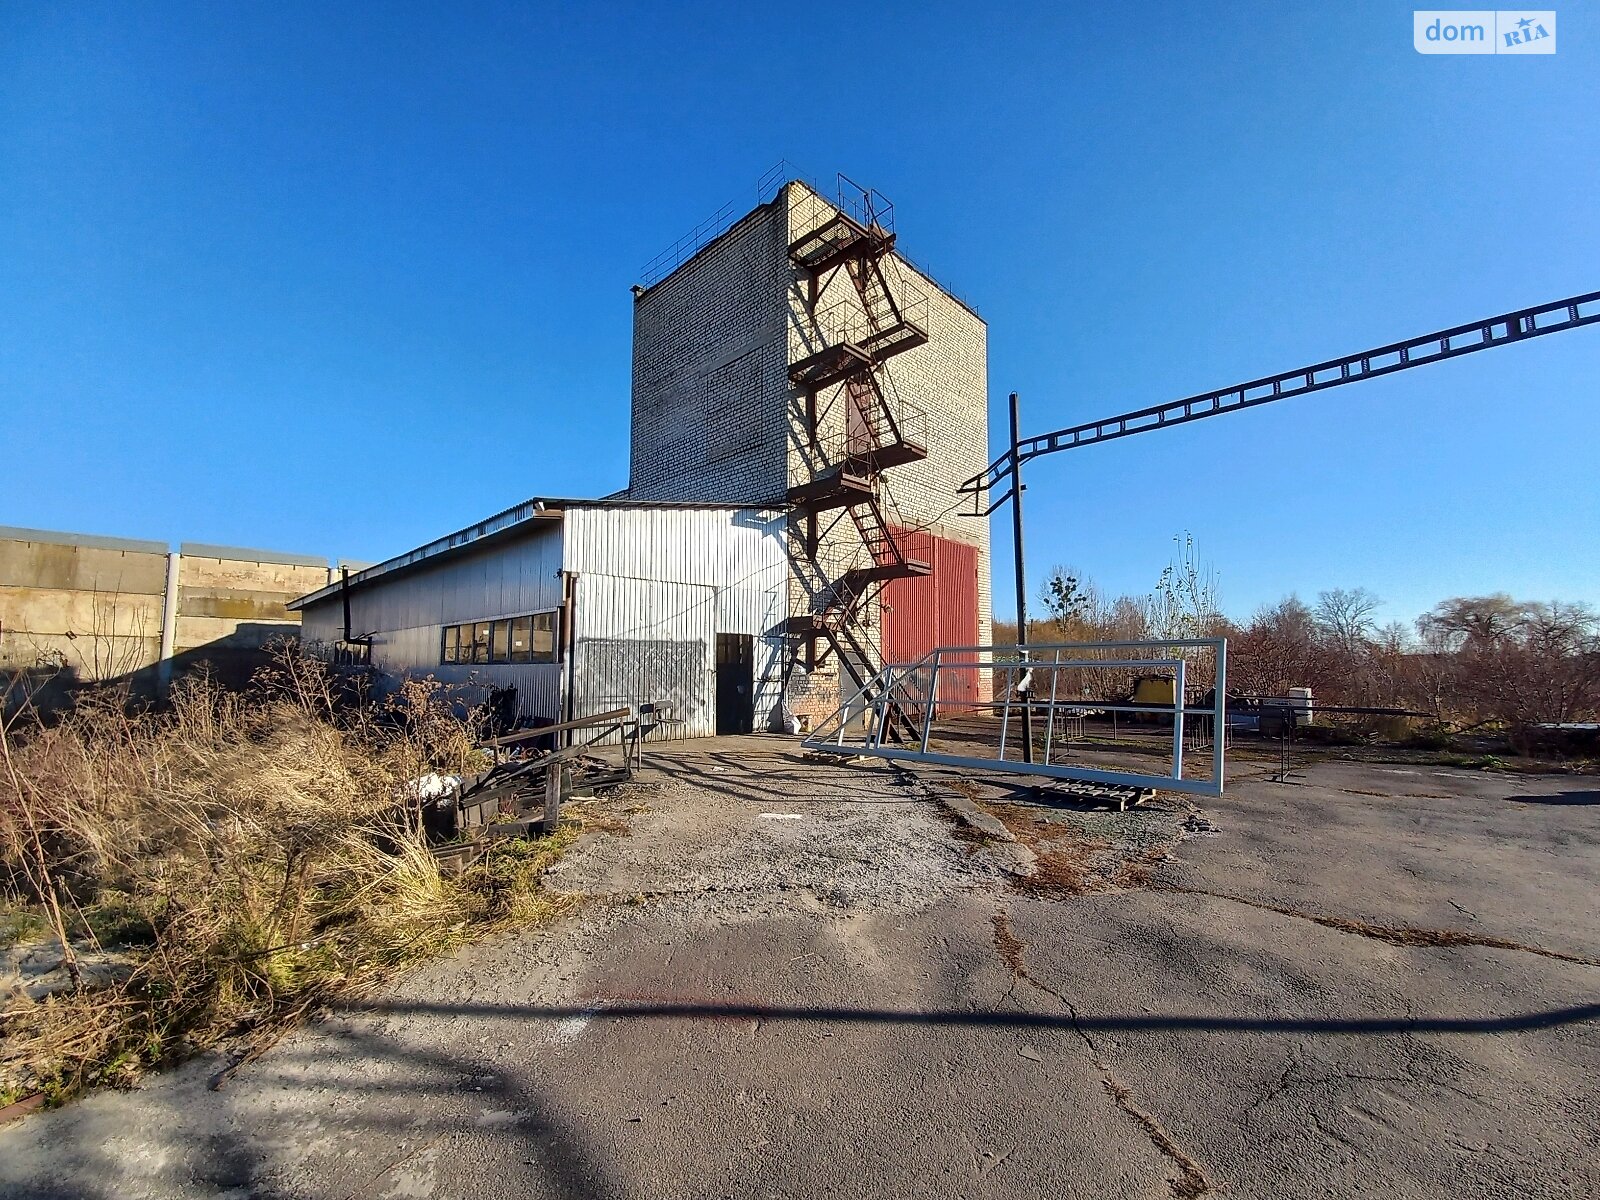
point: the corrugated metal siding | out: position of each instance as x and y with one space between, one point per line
652 588
955 579
644 640
321 623
407 613
934 610
515 576
653 582
717 546
414 654
910 605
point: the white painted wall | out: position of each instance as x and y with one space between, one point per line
652 589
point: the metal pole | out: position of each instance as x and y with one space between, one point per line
1178 683
927 705
344 594
1219 719
1022 584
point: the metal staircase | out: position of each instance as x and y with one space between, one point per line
855 426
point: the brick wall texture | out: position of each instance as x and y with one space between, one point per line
715 417
709 376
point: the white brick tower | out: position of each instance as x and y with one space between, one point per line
798 360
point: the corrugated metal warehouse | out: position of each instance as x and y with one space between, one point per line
582 606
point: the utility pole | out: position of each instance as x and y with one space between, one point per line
1022 584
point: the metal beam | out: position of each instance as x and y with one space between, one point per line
1517 326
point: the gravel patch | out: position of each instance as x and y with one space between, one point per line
840 844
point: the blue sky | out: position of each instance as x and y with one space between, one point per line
338 279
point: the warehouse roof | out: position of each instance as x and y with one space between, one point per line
518 519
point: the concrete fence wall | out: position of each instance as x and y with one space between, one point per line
81 608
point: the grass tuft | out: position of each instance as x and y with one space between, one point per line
223 867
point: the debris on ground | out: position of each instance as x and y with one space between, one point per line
1076 851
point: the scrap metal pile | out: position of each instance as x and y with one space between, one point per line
521 795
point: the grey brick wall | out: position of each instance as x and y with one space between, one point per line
715 418
709 374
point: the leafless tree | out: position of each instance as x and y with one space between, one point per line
1184 603
1345 615
1472 659
1278 649
1544 667
1472 620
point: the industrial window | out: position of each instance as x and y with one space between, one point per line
526 639
352 654
544 637
521 632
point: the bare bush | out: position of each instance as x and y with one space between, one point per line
249 850
1543 666
1473 660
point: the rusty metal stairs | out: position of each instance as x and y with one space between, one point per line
844 600
838 240
876 438
856 661
856 336
857 349
854 590
890 329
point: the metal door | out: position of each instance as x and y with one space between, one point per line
736 681
941 609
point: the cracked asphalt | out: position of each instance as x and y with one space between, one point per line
799 979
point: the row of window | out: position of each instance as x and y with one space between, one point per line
529 639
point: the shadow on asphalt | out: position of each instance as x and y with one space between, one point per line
549 1155
1559 798
740 779
667 1010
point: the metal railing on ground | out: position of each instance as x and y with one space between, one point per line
1048 710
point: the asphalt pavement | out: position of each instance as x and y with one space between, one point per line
793 979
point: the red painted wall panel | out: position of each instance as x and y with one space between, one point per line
941 609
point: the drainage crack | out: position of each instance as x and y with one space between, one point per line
1191 1181
1395 935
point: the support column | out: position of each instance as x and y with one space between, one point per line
169 624
1025 679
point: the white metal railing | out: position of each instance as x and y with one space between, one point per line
1064 686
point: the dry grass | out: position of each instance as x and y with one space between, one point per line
248 855
1067 860
1067 866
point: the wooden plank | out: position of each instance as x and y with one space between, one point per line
552 798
